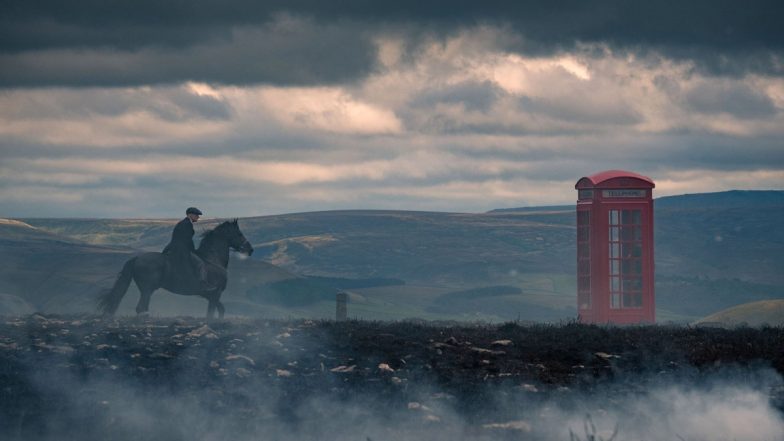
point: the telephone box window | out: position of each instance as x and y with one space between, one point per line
585 194
584 259
625 254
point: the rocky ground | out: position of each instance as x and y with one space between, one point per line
184 378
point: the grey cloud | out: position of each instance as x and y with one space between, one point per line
580 110
285 52
714 23
653 152
31 32
433 123
537 159
171 104
143 42
667 85
474 96
536 118
738 100
656 153
265 140
711 152
199 105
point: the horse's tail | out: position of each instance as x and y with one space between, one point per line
110 299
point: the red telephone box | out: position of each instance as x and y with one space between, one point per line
615 248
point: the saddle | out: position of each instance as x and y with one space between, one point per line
186 274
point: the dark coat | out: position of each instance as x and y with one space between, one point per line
181 243
186 271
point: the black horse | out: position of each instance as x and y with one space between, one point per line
149 271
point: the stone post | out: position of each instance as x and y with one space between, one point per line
341 313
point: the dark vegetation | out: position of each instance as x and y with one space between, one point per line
86 378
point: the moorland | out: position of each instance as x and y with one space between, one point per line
713 251
86 377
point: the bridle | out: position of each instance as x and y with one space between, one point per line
245 244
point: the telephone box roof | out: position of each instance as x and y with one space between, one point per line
596 180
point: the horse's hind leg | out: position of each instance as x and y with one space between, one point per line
143 307
221 309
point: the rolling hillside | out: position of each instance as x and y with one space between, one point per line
762 313
48 272
713 251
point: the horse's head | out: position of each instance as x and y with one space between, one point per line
237 240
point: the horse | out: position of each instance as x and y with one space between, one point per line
149 271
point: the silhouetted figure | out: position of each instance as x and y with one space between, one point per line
188 270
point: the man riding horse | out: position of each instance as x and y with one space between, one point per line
188 270
180 270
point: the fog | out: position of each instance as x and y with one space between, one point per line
94 409
200 393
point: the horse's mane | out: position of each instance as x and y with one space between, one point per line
219 229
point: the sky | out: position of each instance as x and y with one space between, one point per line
241 108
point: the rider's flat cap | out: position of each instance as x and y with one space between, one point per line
193 210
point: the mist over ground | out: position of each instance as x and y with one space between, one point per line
80 377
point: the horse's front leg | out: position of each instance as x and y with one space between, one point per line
211 308
221 309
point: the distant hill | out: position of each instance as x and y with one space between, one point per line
733 198
545 208
766 312
46 271
735 235
713 251
141 234
412 246
12 230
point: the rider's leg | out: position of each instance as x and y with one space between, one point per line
201 272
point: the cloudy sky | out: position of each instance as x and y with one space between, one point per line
141 108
